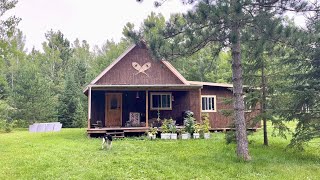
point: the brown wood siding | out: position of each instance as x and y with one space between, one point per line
218 119
194 101
124 73
179 105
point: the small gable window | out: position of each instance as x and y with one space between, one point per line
161 101
208 103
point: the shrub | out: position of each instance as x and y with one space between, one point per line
5 126
20 123
168 126
165 126
205 123
230 137
197 128
189 122
153 131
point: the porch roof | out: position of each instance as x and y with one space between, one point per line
163 87
211 84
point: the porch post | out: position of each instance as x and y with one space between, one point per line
89 107
147 108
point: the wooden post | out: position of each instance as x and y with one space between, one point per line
147 108
89 107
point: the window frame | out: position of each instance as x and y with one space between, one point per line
214 103
160 94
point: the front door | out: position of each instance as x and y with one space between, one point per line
113 115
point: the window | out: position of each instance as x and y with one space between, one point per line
208 103
114 103
161 101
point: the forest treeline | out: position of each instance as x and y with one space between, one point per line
46 85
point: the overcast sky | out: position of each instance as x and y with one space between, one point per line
91 20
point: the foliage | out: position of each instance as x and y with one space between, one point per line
168 126
189 123
205 122
181 131
173 128
5 126
221 24
197 128
20 123
230 137
71 113
206 66
165 127
153 130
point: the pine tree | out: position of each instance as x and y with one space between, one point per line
304 102
70 109
32 96
222 22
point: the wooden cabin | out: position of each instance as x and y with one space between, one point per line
130 94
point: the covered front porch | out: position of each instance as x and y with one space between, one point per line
128 109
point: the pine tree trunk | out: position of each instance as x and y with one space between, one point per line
263 106
241 133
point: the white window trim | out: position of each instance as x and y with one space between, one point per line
214 103
160 93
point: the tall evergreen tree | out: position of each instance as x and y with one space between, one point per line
70 111
304 91
219 21
31 96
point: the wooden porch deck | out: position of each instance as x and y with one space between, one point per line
124 129
117 132
120 132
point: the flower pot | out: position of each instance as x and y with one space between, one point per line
206 135
173 136
165 135
185 136
196 135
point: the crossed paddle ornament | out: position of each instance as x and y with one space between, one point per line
141 69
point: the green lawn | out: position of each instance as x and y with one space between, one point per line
69 154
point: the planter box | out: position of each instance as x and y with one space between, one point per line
196 135
165 135
173 136
185 136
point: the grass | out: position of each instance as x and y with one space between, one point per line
69 154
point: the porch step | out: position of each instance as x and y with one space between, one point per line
116 133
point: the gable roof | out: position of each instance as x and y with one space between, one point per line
106 70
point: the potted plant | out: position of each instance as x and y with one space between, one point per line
165 130
189 122
184 134
197 129
205 126
152 133
172 129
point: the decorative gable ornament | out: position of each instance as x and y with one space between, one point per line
141 69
